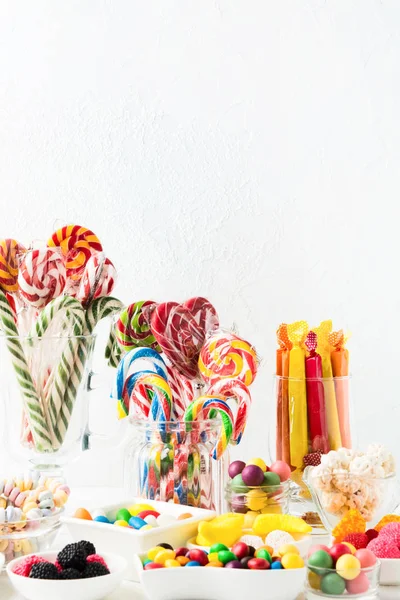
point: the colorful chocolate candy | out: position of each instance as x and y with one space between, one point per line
141 517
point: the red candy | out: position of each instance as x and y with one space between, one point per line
339 550
152 565
198 555
240 550
146 513
258 564
181 551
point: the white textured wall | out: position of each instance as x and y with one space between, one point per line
243 150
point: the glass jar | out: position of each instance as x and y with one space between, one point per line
329 583
171 461
311 417
44 403
273 499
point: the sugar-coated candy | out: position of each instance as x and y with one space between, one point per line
276 565
359 585
281 469
321 560
151 554
258 564
332 584
366 558
288 549
215 564
240 549
258 462
182 560
226 556
200 556
151 520
121 523
252 475
235 468
82 513
137 522
263 553
123 514
172 563
182 551
152 565
163 555
234 564
101 519
292 561
348 566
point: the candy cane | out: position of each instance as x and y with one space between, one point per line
209 407
35 415
99 309
236 389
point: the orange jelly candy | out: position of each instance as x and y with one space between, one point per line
386 520
352 522
185 516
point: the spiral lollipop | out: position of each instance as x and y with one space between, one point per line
98 279
236 389
42 276
226 356
77 245
9 253
131 366
209 407
133 329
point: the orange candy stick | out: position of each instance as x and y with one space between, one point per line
282 402
297 333
340 370
332 416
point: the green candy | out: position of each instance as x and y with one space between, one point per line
218 548
123 515
263 553
333 584
320 560
271 479
226 556
238 485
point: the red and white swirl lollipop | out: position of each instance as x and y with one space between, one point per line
42 276
203 312
98 279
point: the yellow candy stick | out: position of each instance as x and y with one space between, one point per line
297 333
332 416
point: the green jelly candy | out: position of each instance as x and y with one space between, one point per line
333 584
263 553
321 560
218 547
123 515
226 556
238 485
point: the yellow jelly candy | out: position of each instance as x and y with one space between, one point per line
352 522
258 462
135 509
151 554
348 566
249 519
288 549
171 563
264 524
314 580
121 524
353 549
213 557
225 529
386 520
272 509
292 561
256 499
163 555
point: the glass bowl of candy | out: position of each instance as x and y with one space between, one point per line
347 480
31 507
257 489
341 570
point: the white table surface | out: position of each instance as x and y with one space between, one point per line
128 590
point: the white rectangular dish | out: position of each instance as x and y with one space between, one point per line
128 542
196 583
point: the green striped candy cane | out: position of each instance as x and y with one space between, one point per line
63 388
99 309
35 414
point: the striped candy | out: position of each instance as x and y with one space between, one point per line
203 312
226 356
10 250
98 279
99 309
77 245
236 389
133 329
209 407
42 276
182 391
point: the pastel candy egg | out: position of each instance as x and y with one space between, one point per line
332 584
65 489
151 520
3 502
20 499
256 500
29 505
348 566
8 488
14 494
47 503
34 514
321 560
359 585
121 523
137 523
164 520
123 515
101 519
60 498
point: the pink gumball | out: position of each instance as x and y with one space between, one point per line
282 469
317 547
359 585
366 558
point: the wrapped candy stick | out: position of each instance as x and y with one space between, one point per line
340 370
318 431
332 417
282 405
297 394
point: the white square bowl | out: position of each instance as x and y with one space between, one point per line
128 542
197 583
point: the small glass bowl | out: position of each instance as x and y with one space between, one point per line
20 539
262 499
327 583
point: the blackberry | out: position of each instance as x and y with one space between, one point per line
95 569
72 557
87 547
44 570
70 574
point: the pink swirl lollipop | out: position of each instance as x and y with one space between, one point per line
41 276
235 388
98 279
